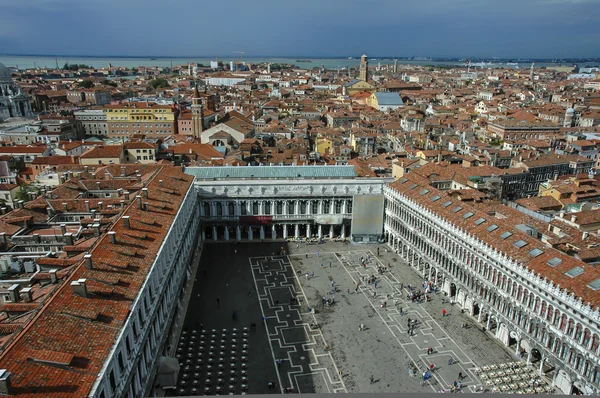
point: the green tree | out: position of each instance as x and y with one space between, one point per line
85 84
159 83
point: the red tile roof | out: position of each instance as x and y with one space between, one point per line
60 333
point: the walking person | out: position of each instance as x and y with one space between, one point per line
313 275
218 303
307 276
443 312
372 379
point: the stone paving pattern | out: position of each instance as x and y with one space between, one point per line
323 350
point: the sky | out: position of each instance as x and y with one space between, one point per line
310 28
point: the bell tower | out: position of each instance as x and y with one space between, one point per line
364 68
197 114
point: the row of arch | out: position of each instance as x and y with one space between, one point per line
487 292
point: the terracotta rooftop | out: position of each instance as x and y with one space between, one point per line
506 238
62 350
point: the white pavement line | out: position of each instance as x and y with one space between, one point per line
389 328
315 321
268 336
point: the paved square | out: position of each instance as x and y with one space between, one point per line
308 306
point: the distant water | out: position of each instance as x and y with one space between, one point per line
25 62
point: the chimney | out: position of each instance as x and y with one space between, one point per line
65 207
122 204
13 291
98 185
5 388
145 192
160 183
96 227
123 171
145 206
26 295
3 210
126 193
79 287
107 176
112 235
584 235
21 204
68 239
573 218
87 206
3 239
49 211
139 200
139 177
101 205
88 261
63 229
37 238
126 222
120 191
561 214
79 175
53 277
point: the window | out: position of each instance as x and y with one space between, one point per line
448 203
520 243
435 198
492 228
506 235
573 272
413 186
535 252
479 221
595 285
553 262
457 209
468 215
423 192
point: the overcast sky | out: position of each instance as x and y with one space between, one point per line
436 28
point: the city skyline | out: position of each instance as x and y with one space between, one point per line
532 29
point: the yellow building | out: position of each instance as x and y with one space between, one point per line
103 154
355 86
324 146
146 118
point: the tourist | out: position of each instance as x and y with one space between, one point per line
218 303
372 379
307 276
443 312
313 275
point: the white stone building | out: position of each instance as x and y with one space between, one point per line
13 103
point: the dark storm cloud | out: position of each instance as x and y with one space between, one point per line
486 28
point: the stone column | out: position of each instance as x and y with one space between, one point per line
250 233
214 233
248 207
331 232
320 206
238 233
238 208
273 232
529 357
332 206
480 313
518 346
309 207
202 209
343 231
225 208
489 320
203 234
213 208
320 231
297 231
308 230
296 207
226 233
344 206
284 206
541 370
262 232
261 207
285 233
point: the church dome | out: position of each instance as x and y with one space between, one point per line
4 72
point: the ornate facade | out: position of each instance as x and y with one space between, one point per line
536 300
13 102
